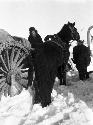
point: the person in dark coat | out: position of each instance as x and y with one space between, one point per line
34 38
81 57
36 44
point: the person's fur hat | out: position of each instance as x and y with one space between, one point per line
32 28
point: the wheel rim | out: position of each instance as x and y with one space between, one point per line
11 63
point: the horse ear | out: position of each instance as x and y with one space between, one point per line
68 22
74 24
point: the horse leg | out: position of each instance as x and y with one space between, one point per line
47 85
63 74
37 97
86 73
81 73
59 74
45 91
64 77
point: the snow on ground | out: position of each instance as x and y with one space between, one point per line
71 105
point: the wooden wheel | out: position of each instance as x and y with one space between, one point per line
12 72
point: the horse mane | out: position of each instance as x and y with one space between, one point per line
64 34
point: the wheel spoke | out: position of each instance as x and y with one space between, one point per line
16 57
5 90
2 84
20 67
12 57
3 70
1 75
19 62
3 62
7 54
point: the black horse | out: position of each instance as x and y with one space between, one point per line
82 58
50 60
63 38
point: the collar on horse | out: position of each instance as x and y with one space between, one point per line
57 40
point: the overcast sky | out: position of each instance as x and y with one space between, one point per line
48 16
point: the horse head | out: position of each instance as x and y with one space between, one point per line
68 32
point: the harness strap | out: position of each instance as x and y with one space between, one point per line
57 40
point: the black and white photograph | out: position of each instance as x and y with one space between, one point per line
46 62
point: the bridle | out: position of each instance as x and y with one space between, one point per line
74 33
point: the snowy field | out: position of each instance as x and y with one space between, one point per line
71 105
